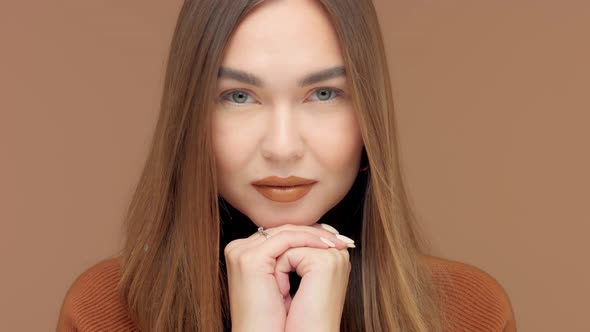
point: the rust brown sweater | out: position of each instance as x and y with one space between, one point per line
475 300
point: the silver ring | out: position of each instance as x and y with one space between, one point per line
262 232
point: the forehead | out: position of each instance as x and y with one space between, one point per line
286 33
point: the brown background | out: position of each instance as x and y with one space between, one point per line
492 102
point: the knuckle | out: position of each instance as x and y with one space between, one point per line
231 250
231 246
347 263
244 260
331 260
227 250
230 255
334 259
346 255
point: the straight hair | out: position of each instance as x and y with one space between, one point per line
173 277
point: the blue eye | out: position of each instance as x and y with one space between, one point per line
324 94
236 96
240 97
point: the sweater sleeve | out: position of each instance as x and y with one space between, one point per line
67 317
511 326
491 300
473 299
65 321
511 323
93 302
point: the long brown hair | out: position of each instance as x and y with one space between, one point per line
172 270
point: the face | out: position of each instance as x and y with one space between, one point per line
284 109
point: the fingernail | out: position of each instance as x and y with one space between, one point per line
329 228
328 242
350 245
345 239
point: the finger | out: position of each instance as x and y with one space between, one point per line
349 242
255 239
279 242
300 260
233 245
338 240
285 264
303 259
327 227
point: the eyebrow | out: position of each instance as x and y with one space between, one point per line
249 78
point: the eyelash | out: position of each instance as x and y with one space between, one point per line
338 93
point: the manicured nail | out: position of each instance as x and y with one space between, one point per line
329 228
350 245
328 242
345 239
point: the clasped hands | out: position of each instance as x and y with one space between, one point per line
258 279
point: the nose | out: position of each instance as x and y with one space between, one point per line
282 141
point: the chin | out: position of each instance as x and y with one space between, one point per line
268 219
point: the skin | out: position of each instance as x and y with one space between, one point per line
281 128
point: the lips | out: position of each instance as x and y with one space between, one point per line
283 190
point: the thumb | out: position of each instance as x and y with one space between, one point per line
288 262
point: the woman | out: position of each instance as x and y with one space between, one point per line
272 197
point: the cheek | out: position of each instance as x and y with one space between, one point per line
231 143
229 152
337 141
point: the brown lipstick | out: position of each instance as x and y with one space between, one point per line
283 190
